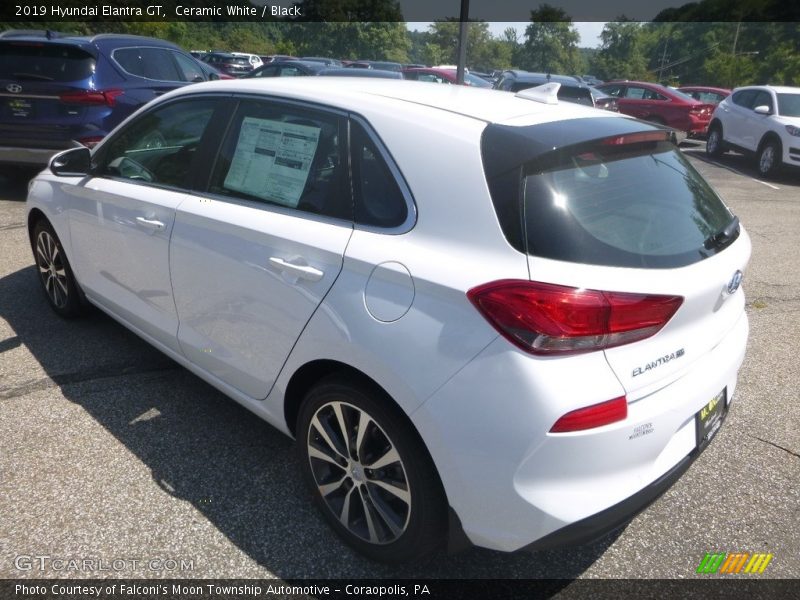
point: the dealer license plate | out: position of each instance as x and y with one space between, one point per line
709 419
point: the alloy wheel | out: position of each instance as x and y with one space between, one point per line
767 159
52 270
359 472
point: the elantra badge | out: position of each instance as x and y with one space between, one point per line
734 283
14 88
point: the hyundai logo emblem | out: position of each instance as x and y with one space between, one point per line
14 88
733 284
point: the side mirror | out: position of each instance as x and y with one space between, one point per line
213 77
72 163
763 109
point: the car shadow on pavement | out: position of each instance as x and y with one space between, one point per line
204 449
746 165
14 182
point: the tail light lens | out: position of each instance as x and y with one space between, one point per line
91 141
704 109
547 319
91 97
593 416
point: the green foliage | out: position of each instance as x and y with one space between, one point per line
551 43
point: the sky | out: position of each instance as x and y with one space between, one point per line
589 32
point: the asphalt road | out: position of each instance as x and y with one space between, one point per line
111 452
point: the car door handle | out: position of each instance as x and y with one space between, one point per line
151 224
303 271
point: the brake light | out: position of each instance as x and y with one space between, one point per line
593 416
700 110
91 97
635 138
548 319
91 141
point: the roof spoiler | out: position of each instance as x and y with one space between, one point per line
546 94
45 33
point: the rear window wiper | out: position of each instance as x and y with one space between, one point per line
32 76
724 235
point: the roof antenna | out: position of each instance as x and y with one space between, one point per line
546 94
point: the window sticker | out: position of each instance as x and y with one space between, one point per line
272 160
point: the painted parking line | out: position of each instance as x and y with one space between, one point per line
732 170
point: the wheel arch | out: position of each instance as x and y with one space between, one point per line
770 136
311 373
34 216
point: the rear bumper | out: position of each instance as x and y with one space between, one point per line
515 486
592 528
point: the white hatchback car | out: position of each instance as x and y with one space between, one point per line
761 120
486 318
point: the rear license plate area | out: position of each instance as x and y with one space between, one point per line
709 419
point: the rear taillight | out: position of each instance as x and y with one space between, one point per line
704 109
593 416
91 141
547 319
91 97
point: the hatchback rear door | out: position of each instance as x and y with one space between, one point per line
634 217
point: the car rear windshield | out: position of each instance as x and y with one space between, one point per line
44 62
617 202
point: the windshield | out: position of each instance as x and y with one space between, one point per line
789 105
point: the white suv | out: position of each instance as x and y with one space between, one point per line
485 317
762 120
254 60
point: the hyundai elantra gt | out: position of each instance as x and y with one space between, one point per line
486 318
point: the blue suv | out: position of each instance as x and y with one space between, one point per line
60 91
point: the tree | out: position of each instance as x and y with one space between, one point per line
551 42
622 52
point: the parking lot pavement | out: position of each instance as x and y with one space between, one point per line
111 452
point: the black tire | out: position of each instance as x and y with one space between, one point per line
769 157
715 143
407 524
55 274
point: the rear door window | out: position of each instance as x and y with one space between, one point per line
150 63
379 199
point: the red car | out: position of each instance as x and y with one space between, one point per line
443 76
703 93
662 105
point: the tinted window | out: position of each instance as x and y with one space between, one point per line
635 93
270 71
789 105
651 95
159 146
151 63
634 205
744 98
378 198
45 62
763 98
576 95
284 156
614 90
190 68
